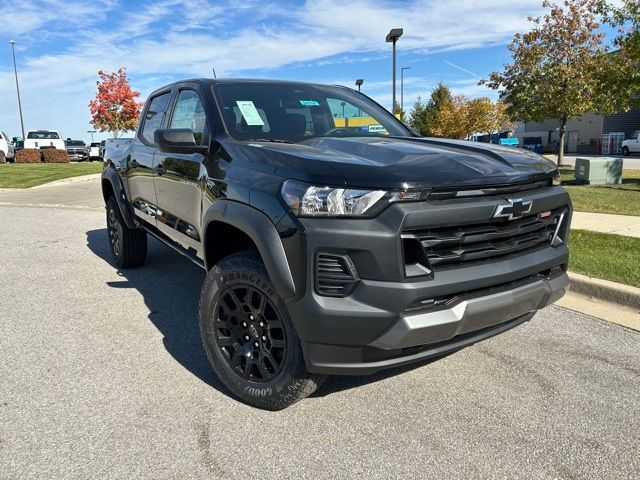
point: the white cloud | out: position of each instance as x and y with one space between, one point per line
188 37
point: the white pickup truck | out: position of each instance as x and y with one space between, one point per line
42 139
632 144
6 148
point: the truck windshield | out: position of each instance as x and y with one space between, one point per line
296 112
43 135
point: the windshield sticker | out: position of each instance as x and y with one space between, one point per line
249 112
377 129
309 103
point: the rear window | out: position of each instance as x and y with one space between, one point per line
95 144
43 135
75 143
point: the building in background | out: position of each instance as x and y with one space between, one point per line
589 134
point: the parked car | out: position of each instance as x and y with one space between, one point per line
333 250
103 144
6 148
42 139
94 151
77 150
632 144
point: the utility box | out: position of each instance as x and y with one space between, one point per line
599 171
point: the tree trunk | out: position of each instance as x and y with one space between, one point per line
563 132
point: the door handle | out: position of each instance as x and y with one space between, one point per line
159 169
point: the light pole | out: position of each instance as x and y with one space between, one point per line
392 37
15 70
91 132
402 87
359 83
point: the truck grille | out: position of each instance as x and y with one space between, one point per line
462 244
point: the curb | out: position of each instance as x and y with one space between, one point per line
605 290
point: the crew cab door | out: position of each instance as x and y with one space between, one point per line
139 166
178 188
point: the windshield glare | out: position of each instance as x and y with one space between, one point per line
294 112
43 135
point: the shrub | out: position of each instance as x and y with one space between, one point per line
53 155
2 157
28 155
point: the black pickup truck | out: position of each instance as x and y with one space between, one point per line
335 240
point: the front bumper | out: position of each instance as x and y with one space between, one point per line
413 337
391 318
77 155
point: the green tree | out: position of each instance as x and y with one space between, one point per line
400 113
423 116
626 18
558 67
416 116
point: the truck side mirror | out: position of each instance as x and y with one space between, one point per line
177 140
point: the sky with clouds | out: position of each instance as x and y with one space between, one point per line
61 44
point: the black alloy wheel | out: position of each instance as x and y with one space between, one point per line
250 333
113 227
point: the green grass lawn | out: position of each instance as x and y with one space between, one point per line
25 175
621 199
606 256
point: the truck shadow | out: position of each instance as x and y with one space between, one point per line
170 286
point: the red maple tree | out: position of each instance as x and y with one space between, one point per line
115 108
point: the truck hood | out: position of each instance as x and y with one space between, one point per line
401 162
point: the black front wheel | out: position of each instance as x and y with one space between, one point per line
625 151
249 337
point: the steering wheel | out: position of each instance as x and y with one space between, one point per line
338 132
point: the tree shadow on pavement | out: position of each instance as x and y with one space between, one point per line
170 285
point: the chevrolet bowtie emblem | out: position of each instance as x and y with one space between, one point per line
514 209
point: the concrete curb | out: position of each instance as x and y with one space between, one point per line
605 290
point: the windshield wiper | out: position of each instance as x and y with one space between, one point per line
274 140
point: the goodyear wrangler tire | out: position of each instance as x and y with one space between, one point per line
249 338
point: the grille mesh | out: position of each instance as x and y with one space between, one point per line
461 244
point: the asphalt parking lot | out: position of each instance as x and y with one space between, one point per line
103 376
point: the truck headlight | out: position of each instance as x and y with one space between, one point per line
315 201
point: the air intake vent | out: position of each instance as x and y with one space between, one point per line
336 275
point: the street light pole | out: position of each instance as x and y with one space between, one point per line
15 71
392 37
91 132
402 87
359 83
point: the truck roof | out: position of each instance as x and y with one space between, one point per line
206 82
